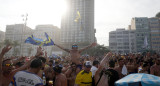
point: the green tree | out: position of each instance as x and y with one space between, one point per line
1 45
7 42
30 49
16 50
99 50
158 15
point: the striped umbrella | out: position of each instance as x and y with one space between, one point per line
139 79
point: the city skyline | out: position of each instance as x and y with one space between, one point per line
109 14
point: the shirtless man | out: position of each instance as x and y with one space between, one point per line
131 66
119 68
155 68
60 79
71 74
6 68
103 81
76 54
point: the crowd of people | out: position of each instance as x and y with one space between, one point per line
74 69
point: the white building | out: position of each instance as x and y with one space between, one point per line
18 32
2 36
122 41
53 32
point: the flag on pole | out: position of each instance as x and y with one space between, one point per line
78 17
79 20
145 42
36 41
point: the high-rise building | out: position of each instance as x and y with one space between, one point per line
18 33
141 25
53 32
122 41
2 36
154 24
83 30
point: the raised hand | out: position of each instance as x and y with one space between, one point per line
6 49
39 51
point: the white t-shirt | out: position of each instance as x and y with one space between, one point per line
25 78
93 70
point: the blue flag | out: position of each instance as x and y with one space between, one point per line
40 42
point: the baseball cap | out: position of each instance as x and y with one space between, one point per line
88 64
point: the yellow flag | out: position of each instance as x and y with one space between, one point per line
78 17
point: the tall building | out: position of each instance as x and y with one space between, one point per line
81 31
2 36
53 32
122 41
141 25
18 33
154 24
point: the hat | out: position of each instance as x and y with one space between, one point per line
57 68
88 64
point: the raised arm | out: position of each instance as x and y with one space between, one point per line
92 45
101 66
62 48
27 64
3 52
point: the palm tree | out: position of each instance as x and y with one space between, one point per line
1 45
7 42
158 15
29 51
15 44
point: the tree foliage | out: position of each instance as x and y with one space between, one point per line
98 50
158 15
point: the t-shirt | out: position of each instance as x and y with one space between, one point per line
25 78
84 79
93 70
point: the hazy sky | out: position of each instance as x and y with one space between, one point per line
109 14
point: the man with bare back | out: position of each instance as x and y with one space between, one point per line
71 74
155 68
106 77
76 54
60 78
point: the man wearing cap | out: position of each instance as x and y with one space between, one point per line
76 54
84 77
60 79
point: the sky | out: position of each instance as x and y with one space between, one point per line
109 14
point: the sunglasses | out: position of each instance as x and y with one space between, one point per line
8 65
74 46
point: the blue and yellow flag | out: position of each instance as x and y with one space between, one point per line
78 17
40 42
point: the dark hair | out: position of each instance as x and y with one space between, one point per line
43 59
5 61
145 64
57 68
120 59
73 63
36 63
95 62
51 61
111 63
19 64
